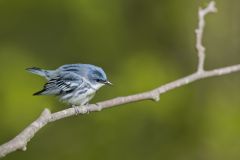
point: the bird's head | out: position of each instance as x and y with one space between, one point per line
97 76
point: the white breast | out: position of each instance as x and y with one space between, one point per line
82 99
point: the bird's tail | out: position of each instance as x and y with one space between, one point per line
41 72
37 71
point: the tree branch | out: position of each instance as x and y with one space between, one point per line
21 140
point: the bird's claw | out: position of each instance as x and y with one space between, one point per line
80 109
76 109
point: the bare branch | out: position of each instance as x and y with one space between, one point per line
199 33
21 140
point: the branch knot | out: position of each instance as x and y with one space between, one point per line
155 95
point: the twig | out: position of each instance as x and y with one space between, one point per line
21 140
199 33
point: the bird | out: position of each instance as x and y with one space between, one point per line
75 84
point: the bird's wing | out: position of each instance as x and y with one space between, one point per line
62 83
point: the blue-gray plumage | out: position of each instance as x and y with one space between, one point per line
73 83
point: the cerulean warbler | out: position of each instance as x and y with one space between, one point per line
75 84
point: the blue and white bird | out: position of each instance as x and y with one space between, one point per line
75 84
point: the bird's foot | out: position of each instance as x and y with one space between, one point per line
76 109
80 109
85 108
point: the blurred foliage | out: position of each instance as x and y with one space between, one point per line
141 45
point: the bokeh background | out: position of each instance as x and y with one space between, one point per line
141 45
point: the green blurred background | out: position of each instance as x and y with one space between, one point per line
141 45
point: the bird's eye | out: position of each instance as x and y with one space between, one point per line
98 80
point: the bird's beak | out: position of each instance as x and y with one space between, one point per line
108 83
